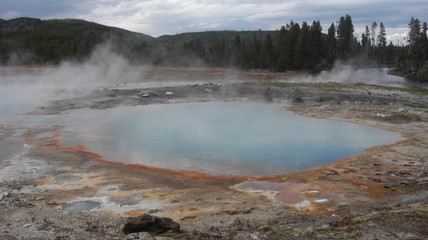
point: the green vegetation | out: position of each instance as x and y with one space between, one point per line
413 60
297 47
399 74
32 41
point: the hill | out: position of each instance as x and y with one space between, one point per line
210 37
36 41
31 40
293 47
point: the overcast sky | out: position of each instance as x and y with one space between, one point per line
159 17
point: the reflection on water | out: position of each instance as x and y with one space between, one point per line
226 138
380 76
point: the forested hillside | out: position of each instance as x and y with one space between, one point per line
293 46
33 41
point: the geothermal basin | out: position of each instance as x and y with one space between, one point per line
223 138
68 159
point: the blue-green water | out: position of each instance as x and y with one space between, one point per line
226 138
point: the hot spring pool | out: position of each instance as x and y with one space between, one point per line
226 138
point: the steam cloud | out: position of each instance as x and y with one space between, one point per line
23 88
348 73
340 73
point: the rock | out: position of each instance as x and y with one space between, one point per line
140 236
3 195
233 210
297 100
332 179
149 223
264 229
153 211
39 198
330 172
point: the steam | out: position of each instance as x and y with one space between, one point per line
340 73
349 73
23 88
104 66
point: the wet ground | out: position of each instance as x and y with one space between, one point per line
49 190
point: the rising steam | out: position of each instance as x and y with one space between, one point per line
23 88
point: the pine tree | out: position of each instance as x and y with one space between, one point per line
366 42
345 37
373 39
252 54
267 52
373 33
418 50
287 43
331 44
302 53
381 42
413 40
316 44
414 31
389 53
281 49
236 57
424 40
294 32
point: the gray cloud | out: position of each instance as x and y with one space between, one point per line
157 17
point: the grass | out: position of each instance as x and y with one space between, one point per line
401 74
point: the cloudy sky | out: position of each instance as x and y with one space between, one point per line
159 17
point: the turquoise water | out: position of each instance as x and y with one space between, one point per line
226 138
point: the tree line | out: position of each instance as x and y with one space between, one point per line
305 47
413 60
292 47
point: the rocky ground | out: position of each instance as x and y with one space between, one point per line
381 194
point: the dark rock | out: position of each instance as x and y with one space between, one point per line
297 100
233 210
149 223
152 211
267 95
330 172
141 236
326 178
264 229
